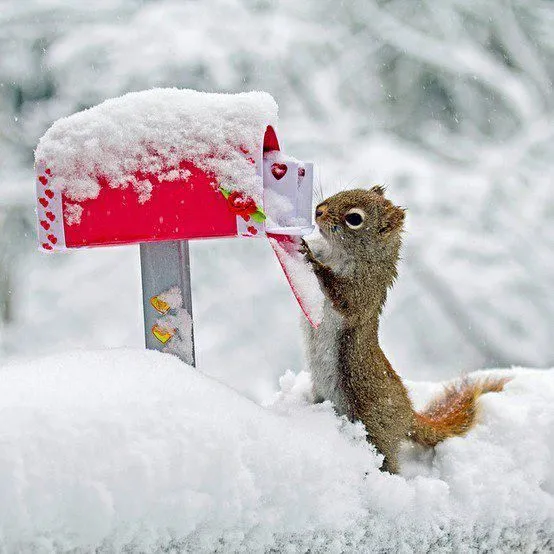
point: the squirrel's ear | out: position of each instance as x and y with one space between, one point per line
378 189
393 219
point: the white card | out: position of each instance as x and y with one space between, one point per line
288 190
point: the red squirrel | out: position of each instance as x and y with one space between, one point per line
361 232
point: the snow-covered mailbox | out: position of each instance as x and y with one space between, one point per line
163 166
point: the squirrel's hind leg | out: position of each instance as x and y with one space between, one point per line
390 464
390 449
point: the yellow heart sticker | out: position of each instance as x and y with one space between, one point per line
163 335
159 305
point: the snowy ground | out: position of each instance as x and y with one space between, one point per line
133 450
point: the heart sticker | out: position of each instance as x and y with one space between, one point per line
159 305
49 193
43 180
43 201
50 215
163 335
45 224
279 170
52 239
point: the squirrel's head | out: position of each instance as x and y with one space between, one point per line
361 221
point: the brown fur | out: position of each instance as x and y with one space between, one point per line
366 266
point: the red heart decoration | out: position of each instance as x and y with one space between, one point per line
50 216
252 230
49 193
45 224
301 172
52 239
279 170
43 201
46 246
48 172
43 180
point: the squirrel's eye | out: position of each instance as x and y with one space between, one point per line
354 218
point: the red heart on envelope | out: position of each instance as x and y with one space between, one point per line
279 170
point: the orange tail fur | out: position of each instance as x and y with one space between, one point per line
454 412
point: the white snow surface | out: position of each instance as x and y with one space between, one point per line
123 450
152 131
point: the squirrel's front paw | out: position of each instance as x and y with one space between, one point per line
309 256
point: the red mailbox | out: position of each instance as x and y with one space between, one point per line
166 166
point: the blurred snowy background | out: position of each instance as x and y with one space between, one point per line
448 103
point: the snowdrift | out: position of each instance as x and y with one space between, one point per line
134 451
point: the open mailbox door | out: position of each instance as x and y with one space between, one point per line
161 167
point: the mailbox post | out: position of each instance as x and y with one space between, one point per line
165 265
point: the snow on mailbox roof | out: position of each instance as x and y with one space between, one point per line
151 132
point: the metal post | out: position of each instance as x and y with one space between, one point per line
164 265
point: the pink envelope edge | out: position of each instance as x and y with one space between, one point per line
300 277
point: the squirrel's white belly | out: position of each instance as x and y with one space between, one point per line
322 356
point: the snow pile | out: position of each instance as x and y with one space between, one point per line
136 452
152 132
280 210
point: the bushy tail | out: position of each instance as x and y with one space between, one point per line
454 412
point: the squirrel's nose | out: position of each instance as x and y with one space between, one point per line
320 210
